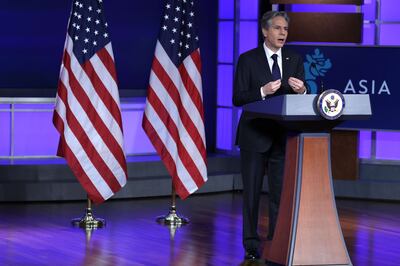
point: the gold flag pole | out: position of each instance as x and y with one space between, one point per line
88 221
172 218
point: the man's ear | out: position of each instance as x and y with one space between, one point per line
264 31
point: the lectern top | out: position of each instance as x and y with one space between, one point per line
303 107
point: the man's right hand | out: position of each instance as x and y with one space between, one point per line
271 87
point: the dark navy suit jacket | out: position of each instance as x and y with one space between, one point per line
253 72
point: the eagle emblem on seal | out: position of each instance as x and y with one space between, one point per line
330 104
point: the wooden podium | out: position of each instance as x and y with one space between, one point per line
308 231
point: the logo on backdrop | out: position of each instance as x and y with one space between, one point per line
354 70
315 66
331 104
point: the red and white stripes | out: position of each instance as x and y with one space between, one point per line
88 118
174 119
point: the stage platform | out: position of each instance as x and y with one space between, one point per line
52 180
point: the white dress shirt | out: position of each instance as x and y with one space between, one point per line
268 54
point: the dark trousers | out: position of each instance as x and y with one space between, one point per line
253 166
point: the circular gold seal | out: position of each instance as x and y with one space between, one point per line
331 104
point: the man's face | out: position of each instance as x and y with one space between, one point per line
276 34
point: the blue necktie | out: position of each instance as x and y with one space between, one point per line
276 73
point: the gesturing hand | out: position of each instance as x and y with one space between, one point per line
271 87
297 85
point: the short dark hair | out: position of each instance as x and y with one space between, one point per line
266 20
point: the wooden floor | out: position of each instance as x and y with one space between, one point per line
40 233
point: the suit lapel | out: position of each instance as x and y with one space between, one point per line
263 62
285 65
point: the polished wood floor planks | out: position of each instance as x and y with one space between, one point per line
40 233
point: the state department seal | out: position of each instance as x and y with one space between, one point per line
331 104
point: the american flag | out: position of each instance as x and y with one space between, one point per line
87 113
174 117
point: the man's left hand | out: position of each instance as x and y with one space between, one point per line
297 85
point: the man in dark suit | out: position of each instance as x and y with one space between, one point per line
261 73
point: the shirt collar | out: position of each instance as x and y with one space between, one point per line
269 52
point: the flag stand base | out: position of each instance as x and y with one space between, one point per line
173 221
88 221
172 218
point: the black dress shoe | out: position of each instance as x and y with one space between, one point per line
252 254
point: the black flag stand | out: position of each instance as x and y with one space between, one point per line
88 221
172 219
